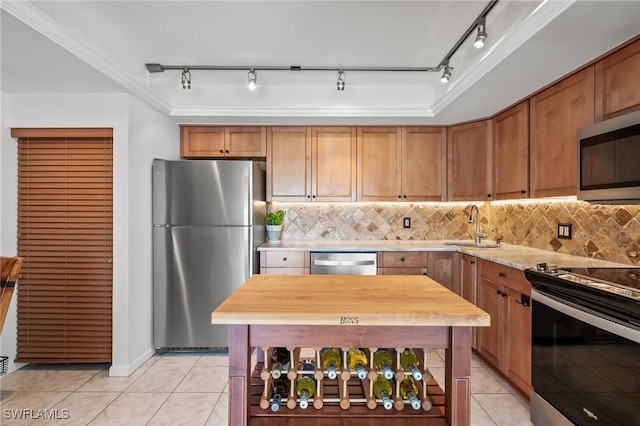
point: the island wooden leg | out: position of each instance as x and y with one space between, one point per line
239 375
457 400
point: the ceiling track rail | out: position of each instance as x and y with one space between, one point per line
156 67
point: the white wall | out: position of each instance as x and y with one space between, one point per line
151 135
139 133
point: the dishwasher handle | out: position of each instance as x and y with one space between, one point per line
320 262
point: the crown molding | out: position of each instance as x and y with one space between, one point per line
34 18
206 111
538 19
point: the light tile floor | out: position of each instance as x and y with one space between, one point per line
187 389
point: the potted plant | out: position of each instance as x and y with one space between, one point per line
274 225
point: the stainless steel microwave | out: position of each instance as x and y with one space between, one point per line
609 160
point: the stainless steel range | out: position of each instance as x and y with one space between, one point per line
585 346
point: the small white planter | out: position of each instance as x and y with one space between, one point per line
273 233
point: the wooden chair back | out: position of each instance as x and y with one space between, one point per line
9 273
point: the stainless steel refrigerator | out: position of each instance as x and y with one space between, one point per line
208 219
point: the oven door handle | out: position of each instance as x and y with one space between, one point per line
569 309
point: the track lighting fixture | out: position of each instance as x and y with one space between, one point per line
478 24
186 79
253 80
481 38
446 75
341 80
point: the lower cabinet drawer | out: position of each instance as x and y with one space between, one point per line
284 259
504 275
284 271
402 259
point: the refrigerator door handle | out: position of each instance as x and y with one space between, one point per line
161 226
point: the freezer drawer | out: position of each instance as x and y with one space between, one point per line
194 270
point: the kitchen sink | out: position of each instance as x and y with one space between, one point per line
469 243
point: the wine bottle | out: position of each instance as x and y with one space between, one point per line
409 362
280 360
280 390
358 362
306 384
409 391
383 360
382 389
330 358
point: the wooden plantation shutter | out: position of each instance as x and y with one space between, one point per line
65 235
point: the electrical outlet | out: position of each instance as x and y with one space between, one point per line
564 231
406 222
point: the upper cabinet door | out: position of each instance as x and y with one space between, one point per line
378 174
469 161
221 142
618 83
201 141
245 142
423 163
333 163
511 153
556 115
289 164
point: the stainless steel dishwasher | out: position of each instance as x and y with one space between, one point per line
323 263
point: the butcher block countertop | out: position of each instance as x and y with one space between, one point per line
384 300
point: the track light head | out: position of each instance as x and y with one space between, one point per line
446 75
481 38
341 81
253 80
186 79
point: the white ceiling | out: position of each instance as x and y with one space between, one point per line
102 47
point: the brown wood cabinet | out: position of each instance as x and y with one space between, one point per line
311 164
285 262
440 266
423 164
289 164
469 161
511 153
467 281
221 142
401 163
556 115
333 164
378 171
504 293
617 83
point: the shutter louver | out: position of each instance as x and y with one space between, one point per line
65 222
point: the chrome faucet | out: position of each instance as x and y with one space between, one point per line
479 235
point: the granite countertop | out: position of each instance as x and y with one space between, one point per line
518 257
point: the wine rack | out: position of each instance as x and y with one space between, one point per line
347 391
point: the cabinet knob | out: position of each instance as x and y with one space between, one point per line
313 196
499 292
284 259
424 273
221 151
489 195
472 262
308 196
523 191
502 274
402 259
399 196
404 196
227 151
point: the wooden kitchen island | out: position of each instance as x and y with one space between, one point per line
314 311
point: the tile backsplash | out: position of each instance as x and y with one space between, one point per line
610 232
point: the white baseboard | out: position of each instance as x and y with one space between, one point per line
128 369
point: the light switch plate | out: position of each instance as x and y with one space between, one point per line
564 231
